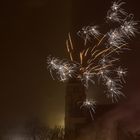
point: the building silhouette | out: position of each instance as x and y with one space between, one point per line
75 117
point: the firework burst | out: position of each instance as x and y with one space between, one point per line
62 68
129 28
116 13
90 105
87 32
98 60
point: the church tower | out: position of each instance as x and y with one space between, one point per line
75 117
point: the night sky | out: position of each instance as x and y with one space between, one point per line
30 30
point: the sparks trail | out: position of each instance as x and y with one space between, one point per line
99 60
87 32
90 105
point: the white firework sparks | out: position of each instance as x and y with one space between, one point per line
116 7
121 73
53 63
103 74
63 69
129 28
88 77
90 105
114 93
87 32
113 16
115 39
114 87
109 83
90 64
93 30
116 13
